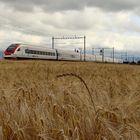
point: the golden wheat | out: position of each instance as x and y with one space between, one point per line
45 100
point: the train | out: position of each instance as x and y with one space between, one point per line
24 51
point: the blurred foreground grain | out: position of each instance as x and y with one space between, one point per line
46 100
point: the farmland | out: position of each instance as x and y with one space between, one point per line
46 100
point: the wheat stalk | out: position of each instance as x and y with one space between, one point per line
84 83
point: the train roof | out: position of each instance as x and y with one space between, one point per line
36 47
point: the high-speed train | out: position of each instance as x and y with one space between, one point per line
24 51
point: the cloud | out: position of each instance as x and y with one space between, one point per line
64 5
105 23
112 5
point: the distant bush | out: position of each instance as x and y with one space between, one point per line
125 62
133 62
138 62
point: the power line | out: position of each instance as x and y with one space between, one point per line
70 38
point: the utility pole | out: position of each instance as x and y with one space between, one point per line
113 54
84 48
52 42
80 53
92 51
75 37
133 58
102 54
126 56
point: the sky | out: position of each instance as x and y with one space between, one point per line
105 23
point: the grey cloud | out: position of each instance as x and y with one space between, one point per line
114 5
62 5
49 5
101 27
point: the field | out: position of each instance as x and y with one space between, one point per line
45 100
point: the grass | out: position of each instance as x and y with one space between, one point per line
45 100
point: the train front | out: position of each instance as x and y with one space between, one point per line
9 52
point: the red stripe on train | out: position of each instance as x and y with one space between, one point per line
12 51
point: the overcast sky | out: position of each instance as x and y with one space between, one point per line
109 23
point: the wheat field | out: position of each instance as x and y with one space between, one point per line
46 100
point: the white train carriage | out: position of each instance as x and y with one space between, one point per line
88 57
98 58
26 51
108 59
68 55
116 60
37 53
33 52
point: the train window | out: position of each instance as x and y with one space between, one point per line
39 52
27 51
11 47
18 49
33 52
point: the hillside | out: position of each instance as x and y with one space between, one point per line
46 100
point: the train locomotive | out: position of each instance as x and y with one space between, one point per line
24 51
